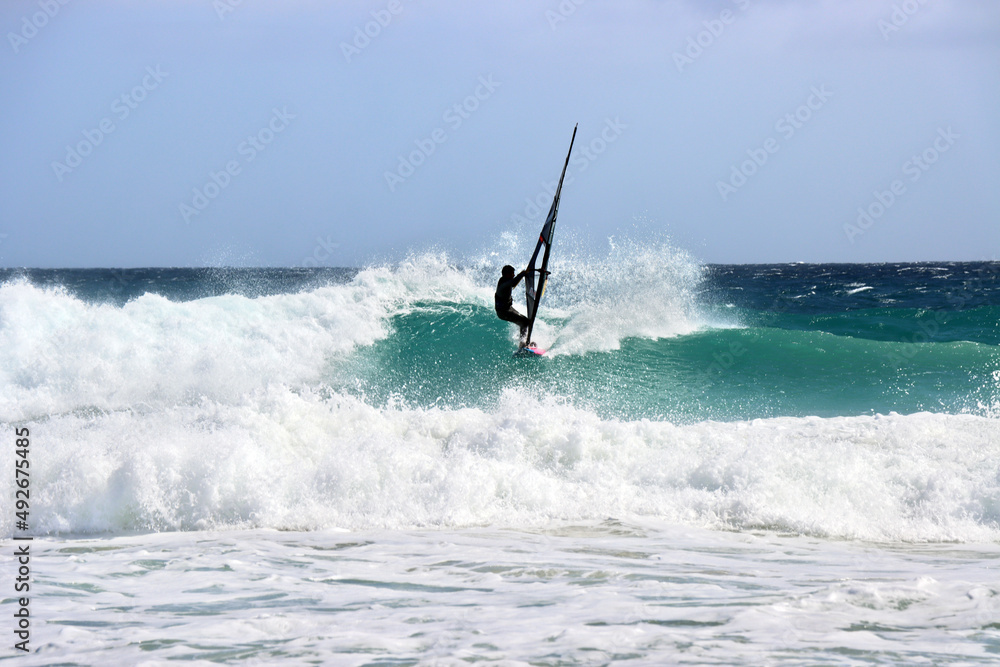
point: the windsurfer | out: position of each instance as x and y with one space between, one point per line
504 301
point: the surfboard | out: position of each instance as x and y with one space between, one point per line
537 275
529 351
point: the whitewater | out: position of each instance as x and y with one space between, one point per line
788 464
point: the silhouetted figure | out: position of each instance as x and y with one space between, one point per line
504 302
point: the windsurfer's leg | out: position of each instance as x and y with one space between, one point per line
511 315
522 322
517 318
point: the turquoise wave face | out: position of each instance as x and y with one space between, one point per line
457 356
643 333
899 325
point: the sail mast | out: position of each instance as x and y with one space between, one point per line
533 294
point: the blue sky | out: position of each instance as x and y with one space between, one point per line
201 132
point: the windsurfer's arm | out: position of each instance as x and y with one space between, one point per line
512 283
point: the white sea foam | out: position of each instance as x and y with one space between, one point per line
59 353
288 459
591 593
635 291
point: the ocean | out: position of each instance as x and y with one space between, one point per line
792 464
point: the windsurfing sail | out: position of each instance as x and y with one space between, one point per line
537 275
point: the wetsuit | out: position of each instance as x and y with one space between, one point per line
504 303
